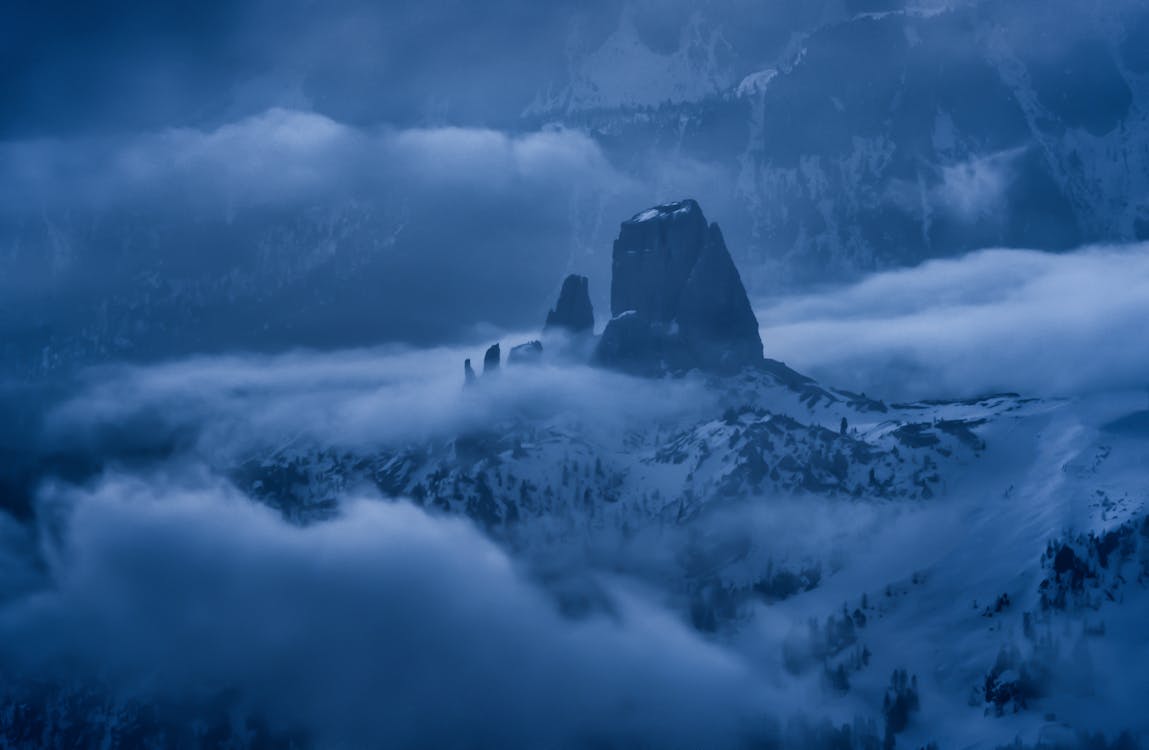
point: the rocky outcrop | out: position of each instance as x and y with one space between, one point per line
525 354
573 313
491 360
530 352
676 297
677 302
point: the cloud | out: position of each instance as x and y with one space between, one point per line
169 585
994 320
975 188
227 406
284 156
172 587
384 625
135 66
489 159
291 227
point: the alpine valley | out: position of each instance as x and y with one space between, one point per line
376 374
970 573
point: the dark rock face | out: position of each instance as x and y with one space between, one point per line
573 312
491 360
523 354
532 351
714 313
676 297
653 256
632 344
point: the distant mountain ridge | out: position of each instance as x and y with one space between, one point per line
831 139
891 134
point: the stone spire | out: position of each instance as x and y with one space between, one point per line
573 312
491 360
676 297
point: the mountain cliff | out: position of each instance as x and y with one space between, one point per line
677 299
860 136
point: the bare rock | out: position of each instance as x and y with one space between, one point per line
573 312
524 354
677 299
491 360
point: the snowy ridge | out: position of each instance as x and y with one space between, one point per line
950 572
775 437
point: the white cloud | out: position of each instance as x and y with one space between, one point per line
490 158
1028 321
976 187
277 155
353 399
335 232
385 625
284 155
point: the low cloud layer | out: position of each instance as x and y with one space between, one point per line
389 624
995 320
228 406
289 228
385 625
155 576
284 156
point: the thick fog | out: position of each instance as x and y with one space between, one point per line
385 626
992 321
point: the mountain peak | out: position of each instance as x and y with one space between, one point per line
682 208
676 296
573 312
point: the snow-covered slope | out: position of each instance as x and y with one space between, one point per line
842 539
960 572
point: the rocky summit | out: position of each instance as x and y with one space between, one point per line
676 298
573 312
677 301
492 359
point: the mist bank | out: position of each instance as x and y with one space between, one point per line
1035 323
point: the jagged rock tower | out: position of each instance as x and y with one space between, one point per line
573 312
676 298
491 360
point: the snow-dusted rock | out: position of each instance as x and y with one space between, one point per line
676 296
